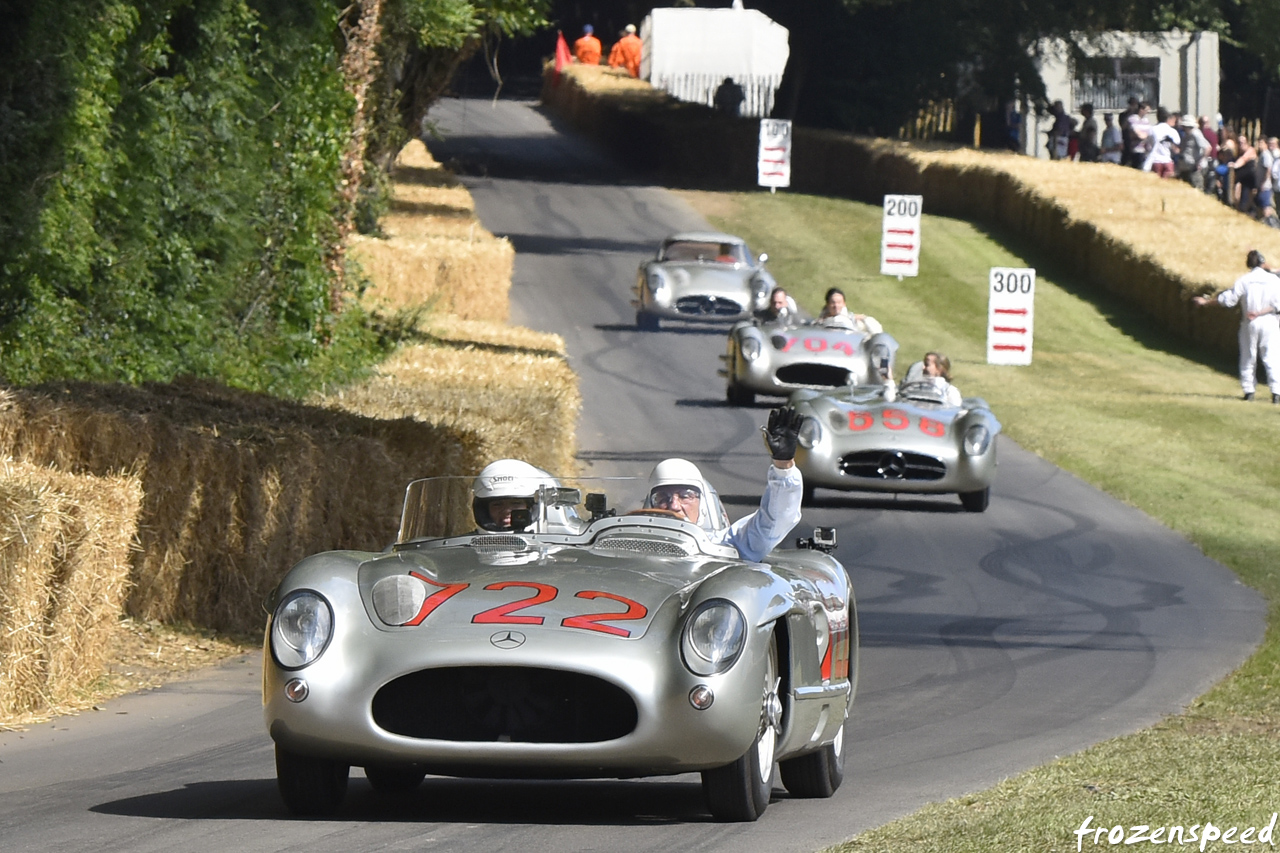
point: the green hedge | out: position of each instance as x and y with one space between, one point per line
168 186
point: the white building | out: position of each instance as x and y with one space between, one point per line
1176 70
689 53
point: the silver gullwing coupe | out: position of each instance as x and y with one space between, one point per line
881 438
702 276
586 646
779 358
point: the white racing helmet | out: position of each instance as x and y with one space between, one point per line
682 472
505 480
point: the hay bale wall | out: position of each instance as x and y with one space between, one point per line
236 486
1152 243
65 544
434 250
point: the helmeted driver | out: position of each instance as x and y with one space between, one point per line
502 488
676 485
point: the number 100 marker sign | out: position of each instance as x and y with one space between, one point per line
900 237
1010 315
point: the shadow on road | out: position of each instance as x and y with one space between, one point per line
439 800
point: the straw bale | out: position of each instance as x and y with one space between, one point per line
236 486
467 275
433 250
521 404
1152 242
65 542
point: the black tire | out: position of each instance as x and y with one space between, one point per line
976 501
818 774
739 396
310 787
740 791
394 778
647 322
806 495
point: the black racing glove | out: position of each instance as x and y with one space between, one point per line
783 432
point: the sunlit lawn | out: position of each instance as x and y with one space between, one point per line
1140 415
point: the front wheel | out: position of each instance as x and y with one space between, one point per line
976 501
647 322
818 774
740 791
310 786
806 495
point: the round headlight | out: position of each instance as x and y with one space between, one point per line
810 433
977 439
751 348
301 629
713 637
657 284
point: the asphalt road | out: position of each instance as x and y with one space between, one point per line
991 643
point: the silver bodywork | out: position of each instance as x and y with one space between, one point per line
777 359
558 653
686 281
882 439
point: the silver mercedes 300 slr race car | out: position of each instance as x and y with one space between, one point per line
700 276
590 645
778 359
884 439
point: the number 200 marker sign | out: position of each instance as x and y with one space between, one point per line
1010 315
900 237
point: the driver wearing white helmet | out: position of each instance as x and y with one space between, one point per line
676 485
504 487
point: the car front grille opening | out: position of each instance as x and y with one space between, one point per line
708 306
818 375
504 703
892 465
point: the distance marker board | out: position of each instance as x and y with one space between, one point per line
900 235
1010 315
773 165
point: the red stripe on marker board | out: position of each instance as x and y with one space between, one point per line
1008 329
899 245
1020 311
899 231
898 261
1018 347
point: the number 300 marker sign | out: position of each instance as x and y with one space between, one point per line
1010 315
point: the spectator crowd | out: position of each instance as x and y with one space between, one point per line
1207 154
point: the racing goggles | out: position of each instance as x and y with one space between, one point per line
663 497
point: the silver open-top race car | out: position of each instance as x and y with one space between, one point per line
591 644
885 439
777 359
701 276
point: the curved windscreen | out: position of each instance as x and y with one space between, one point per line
443 506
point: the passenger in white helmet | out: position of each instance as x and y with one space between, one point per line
503 488
676 485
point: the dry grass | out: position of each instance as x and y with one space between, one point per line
435 251
65 544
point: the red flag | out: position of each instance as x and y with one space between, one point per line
563 57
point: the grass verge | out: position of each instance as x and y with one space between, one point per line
1126 408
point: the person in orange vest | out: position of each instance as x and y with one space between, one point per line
626 53
587 49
